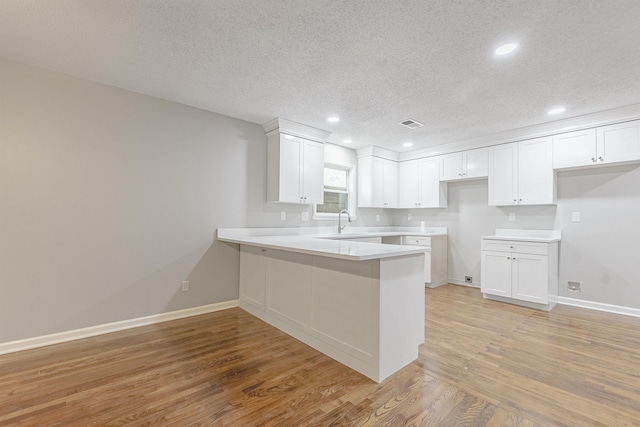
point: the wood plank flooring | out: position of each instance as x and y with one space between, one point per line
483 363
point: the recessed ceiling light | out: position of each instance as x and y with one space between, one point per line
557 110
408 144
347 141
506 49
333 119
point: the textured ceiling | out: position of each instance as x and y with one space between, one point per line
373 63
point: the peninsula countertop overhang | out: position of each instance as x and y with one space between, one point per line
332 245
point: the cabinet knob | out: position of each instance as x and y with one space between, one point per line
511 247
514 200
600 158
508 257
514 258
593 159
520 199
263 250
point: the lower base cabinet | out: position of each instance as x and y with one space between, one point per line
436 269
368 315
520 272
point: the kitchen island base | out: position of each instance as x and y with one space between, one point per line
368 315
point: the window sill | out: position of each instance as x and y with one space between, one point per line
329 217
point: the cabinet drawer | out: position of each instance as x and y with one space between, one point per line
417 240
515 246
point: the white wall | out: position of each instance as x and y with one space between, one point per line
602 251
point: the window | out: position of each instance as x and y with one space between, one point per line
338 191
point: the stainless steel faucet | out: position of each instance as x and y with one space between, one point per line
340 226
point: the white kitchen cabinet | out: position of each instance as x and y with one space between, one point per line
295 170
377 182
471 164
618 143
436 271
419 184
521 173
520 271
368 315
574 149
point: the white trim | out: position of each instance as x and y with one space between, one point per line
280 125
463 283
91 331
601 118
609 308
351 192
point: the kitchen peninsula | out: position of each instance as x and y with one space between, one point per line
359 302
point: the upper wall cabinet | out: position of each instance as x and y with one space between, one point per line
521 173
471 164
377 182
419 184
604 145
295 165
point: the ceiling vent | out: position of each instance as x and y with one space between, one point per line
411 124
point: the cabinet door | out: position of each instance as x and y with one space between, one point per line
530 278
496 273
433 193
451 167
312 172
408 184
377 182
253 274
475 163
290 181
503 175
573 149
390 184
536 179
619 142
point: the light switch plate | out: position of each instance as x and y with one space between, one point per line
409 217
575 216
512 216
305 216
283 215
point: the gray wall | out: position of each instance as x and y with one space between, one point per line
109 200
602 251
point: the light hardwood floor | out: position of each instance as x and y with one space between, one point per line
483 363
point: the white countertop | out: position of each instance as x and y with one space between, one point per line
542 236
331 245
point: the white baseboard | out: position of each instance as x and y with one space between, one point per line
463 283
60 337
610 308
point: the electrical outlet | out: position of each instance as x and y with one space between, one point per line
409 217
468 279
377 217
185 286
574 286
305 216
283 215
512 216
575 216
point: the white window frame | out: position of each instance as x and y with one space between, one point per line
351 186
